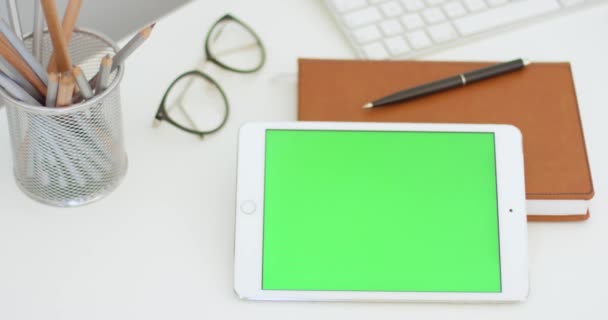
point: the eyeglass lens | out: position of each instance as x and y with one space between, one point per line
235 46
196 104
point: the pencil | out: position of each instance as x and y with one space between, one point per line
12 73
133 44
15 91
18 46
64 63
69 22
12 57
83 85
13 13
127 50
51 96
65 90
37 31
104 74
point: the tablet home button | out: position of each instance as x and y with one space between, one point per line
248 207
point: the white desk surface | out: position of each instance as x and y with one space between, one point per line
161 245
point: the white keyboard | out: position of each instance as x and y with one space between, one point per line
390 29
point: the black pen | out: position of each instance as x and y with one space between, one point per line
449 83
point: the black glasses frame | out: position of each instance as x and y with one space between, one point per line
162 114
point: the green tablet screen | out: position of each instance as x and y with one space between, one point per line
380 211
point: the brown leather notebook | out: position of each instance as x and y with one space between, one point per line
540 100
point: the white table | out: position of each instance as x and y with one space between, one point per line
161 245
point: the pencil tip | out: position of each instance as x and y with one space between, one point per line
76 71
53 77
368 105
145 32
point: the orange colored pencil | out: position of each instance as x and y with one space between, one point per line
66 90
12 57
69 22
64 63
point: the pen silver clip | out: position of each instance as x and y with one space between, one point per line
463 79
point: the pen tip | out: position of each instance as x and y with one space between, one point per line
368 105
526 62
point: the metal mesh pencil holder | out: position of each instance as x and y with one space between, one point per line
74 155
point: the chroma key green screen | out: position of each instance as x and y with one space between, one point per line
380 211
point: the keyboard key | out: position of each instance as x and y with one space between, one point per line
412 21
391 27
433 15
362 17
454 9
375 51
504 15
494 3
348 5
418 39
435 2
391 9
413 5
475 5
568 3
367 34
442 32
396 46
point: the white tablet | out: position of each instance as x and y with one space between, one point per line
331 211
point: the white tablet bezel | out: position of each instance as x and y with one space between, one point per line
250 208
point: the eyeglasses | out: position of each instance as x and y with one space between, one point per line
195 102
